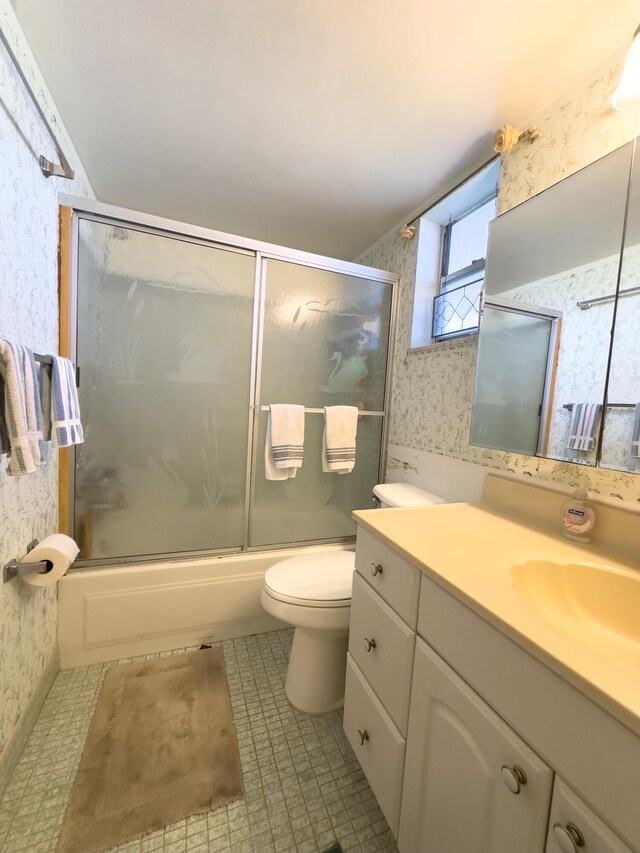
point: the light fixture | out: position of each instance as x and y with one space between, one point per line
627 95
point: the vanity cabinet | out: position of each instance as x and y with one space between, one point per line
470 782
468 741
575 828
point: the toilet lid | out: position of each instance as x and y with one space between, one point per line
325 579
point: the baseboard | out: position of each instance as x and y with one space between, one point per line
12 753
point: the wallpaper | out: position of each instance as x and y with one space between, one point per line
432 388
29 315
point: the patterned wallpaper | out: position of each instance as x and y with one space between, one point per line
432 389
29 315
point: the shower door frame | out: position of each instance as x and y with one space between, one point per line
72 210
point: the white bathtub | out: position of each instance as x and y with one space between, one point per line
115 612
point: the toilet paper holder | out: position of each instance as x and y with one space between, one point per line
14 568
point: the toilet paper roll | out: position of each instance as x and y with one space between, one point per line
60 550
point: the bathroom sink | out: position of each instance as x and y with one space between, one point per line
595 605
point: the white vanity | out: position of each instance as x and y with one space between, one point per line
492 699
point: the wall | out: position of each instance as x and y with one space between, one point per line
28 315
432 389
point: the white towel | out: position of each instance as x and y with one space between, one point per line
283 449
21 420
66 428
585 418
339 439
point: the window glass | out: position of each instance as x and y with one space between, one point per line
469 236
456 311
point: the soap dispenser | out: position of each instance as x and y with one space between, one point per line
578 517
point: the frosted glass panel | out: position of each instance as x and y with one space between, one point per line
314 505
325 338
164 350
510 379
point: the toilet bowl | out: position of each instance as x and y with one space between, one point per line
313 593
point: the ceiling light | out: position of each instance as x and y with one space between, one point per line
627 95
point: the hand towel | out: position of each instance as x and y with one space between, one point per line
66 428
283 450
585 418
635 434
21 427
339 439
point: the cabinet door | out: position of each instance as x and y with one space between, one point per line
461 791
574 828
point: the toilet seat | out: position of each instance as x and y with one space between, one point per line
315 580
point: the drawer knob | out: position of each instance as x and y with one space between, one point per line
369 644
568 836
514 777
376 569
363 736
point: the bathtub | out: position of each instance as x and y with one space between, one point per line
121 611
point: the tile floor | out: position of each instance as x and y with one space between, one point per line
304 788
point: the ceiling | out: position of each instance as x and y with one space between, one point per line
316 125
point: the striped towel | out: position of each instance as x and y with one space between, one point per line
585 418
66 428
21 418
339 439
635 435
283 450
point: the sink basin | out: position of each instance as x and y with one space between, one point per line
596 606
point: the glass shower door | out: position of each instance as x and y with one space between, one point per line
164 350
325 342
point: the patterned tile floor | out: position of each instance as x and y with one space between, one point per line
304 788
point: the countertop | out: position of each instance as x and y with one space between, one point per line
468 550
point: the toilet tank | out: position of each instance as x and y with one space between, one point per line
404 494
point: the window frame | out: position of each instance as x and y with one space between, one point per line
447 278
478 185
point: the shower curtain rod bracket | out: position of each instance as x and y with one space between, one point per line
53 170
48 169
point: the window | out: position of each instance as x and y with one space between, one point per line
456 308
452 247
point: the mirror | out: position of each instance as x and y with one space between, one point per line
545 331
621 436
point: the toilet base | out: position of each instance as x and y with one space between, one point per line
317 670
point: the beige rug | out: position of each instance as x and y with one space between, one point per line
161 746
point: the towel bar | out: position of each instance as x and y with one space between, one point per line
318 411
569 406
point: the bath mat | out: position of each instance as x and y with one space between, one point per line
161 746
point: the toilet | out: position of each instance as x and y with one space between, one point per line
313 593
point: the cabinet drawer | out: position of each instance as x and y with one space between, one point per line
568 809
381 755
388 664
398 582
